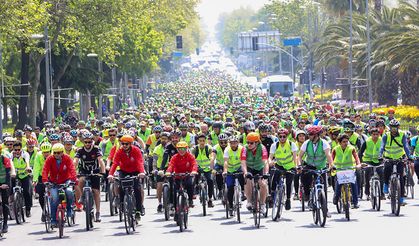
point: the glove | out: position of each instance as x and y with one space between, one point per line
168 174
224 174
249 175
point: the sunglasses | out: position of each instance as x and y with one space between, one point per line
17 150
223 142
181 149
112 135
282 137
125 144
9 144
250 143
157 132
88 142
58 153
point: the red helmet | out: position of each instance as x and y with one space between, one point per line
313 130
283 131
274 124
391 111
31 142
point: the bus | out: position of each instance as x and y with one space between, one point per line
281 84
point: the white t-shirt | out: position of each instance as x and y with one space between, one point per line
326 145
294 148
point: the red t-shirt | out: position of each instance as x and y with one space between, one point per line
131 162
183 163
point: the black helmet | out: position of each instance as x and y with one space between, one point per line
394 123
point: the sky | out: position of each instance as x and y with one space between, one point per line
209 10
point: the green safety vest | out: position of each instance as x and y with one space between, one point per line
32 157
219 158
353 139
79 144
72 153
393 150
159 151
153 143
244 142
316 159
343 158
144 135
214 138
372 150
284 155
40 137
202 159
91 114
2 171
187 139
255 162
107 150
234 162
39 165
20 166
333 144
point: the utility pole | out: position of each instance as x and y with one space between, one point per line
351 95
369 57
49 102
1 96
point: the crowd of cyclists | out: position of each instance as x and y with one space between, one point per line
205 124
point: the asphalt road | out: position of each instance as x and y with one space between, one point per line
366 226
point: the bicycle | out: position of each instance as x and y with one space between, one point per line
409 183
87 199
236 196
301 194
128 204
317 197
203 193
279 196
62 215
1 216
375 187
47 207
256 198
345 178
394 187
166 198
113 198
182 207
18 204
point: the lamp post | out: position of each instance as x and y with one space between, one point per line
351 95
369 56
99 80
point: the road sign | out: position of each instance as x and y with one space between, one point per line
292 41
253 41
177 54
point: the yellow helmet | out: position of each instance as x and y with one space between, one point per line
182 144
58 147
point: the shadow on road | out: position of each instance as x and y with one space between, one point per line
343 219
392 215
54 238
200 215
37 232
230 222
177 231
312 226
252 227
219 218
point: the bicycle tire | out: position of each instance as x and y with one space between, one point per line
185 214
256 207
111 199
301 196
397 195
203 199
314 207
1 219
227 206
322 210
22 207
60 221
166 202
345 194
275 204
47 214
373 200
339 206
87 207
377 192
121 209
180 213
127 214
148 185
16 208
237 202
134 221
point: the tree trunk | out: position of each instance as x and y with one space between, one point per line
14 114
388 88
4 111
33 105
24 79
410 87
377 5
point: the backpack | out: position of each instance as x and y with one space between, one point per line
196 151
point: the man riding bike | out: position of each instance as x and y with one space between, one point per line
40 158
5 176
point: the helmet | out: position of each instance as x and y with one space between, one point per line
58 147
9 139
165 134
222 137
133 132
283 131
31 142
183 126
217 124
27 128
253 137
126 139
50 131
408 134
87 135
18 133
263 127
73 133
182 144
177 133
373 116
313 130
54 137
168 128
234 138
391 111
358 127
300 132
304 115
394 123
288 123
157 129
334 129
129 125
95 132
274 124
46 147
249 126
348 129
68 139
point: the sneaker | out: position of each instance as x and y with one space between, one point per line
385 188
54 224
43 218
98 219
355 206
249 206
368 197
5 228
262 208
287 204
160 208
210 205
244 198
28 213
295 198
402 201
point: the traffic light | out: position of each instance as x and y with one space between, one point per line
324 78
255 44
179 42
197 51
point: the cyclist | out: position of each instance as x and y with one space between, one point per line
254 161
248 127
160 166
283 155
20 161
186 136
394 146
89 160
59 169
144 131
170 149
40 158
414 143
130 161
202 152
69 149
217 157
216 131
369 154
345 158
183 162
232 165
5 176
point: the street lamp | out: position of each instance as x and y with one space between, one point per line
99 68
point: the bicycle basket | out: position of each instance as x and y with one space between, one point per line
345 177
127 183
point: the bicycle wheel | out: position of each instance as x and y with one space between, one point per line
111 199
339 206
1 218
377 194
148 185
166 202
372 194
227 204
185 214
314 207
180 212
22 207
237 201
256 207
47 214
395 196
322 209
60 221
121 209
345 194
127 213
17 208
301 196
275 205
203 192
87 208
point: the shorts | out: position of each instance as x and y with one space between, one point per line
94 182
255 172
